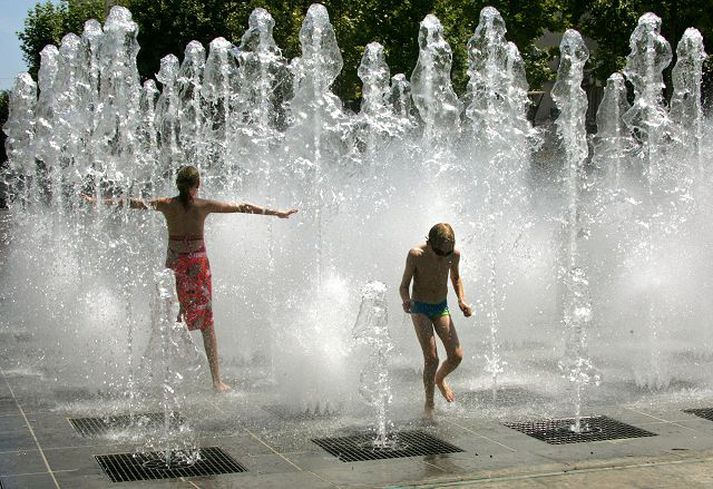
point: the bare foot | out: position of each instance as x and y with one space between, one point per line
446 390
428 412
220 387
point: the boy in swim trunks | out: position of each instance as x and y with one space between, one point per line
429 265
186 255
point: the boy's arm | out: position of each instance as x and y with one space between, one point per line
246 208
458 285
409 270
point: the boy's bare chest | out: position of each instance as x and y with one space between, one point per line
432 269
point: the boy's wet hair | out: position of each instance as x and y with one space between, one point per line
187 178
442 233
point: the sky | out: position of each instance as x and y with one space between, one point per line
12 16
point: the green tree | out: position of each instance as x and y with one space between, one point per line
46 23
166 26
611 22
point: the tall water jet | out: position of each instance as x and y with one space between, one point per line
118 118
496 99
192 119
120 92
149 173
168 114
686 104
399 97
69 118
495 110
265 87
371 331
218 90
613 140
174 442
89 93
431 88
376 119
650 55
319 120
19 145
46 150
571 101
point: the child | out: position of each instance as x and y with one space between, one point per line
186 255
429 265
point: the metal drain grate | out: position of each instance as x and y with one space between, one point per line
361 447
94 427
289 413
596 428
705 413
128 467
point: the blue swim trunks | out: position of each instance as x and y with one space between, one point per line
432 311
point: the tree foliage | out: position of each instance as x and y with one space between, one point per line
166 26
611 22
46 23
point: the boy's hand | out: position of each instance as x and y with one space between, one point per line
407 306
467 310
88 199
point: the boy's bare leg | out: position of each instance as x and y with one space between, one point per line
447 332
427 340
211 350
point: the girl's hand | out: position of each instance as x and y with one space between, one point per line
285 214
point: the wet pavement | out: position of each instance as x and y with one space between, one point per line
39 447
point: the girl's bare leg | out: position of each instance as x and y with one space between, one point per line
211 350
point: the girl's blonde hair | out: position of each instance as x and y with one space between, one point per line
187 178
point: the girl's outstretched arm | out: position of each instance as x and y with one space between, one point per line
154 204
246 208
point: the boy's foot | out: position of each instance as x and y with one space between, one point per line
220 387
446 390
428 412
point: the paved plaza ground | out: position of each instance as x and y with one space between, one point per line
40 449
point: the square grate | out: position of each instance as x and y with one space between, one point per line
595 428
96 427
128 467
705 413
361 447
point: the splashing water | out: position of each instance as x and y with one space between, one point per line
368 185
371 331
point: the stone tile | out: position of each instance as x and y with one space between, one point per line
81 460
8 407
246 480
69 439
21 462
313 461
42 421
16 440
263 464
240 444
35 481
101 481
12 422
382 472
